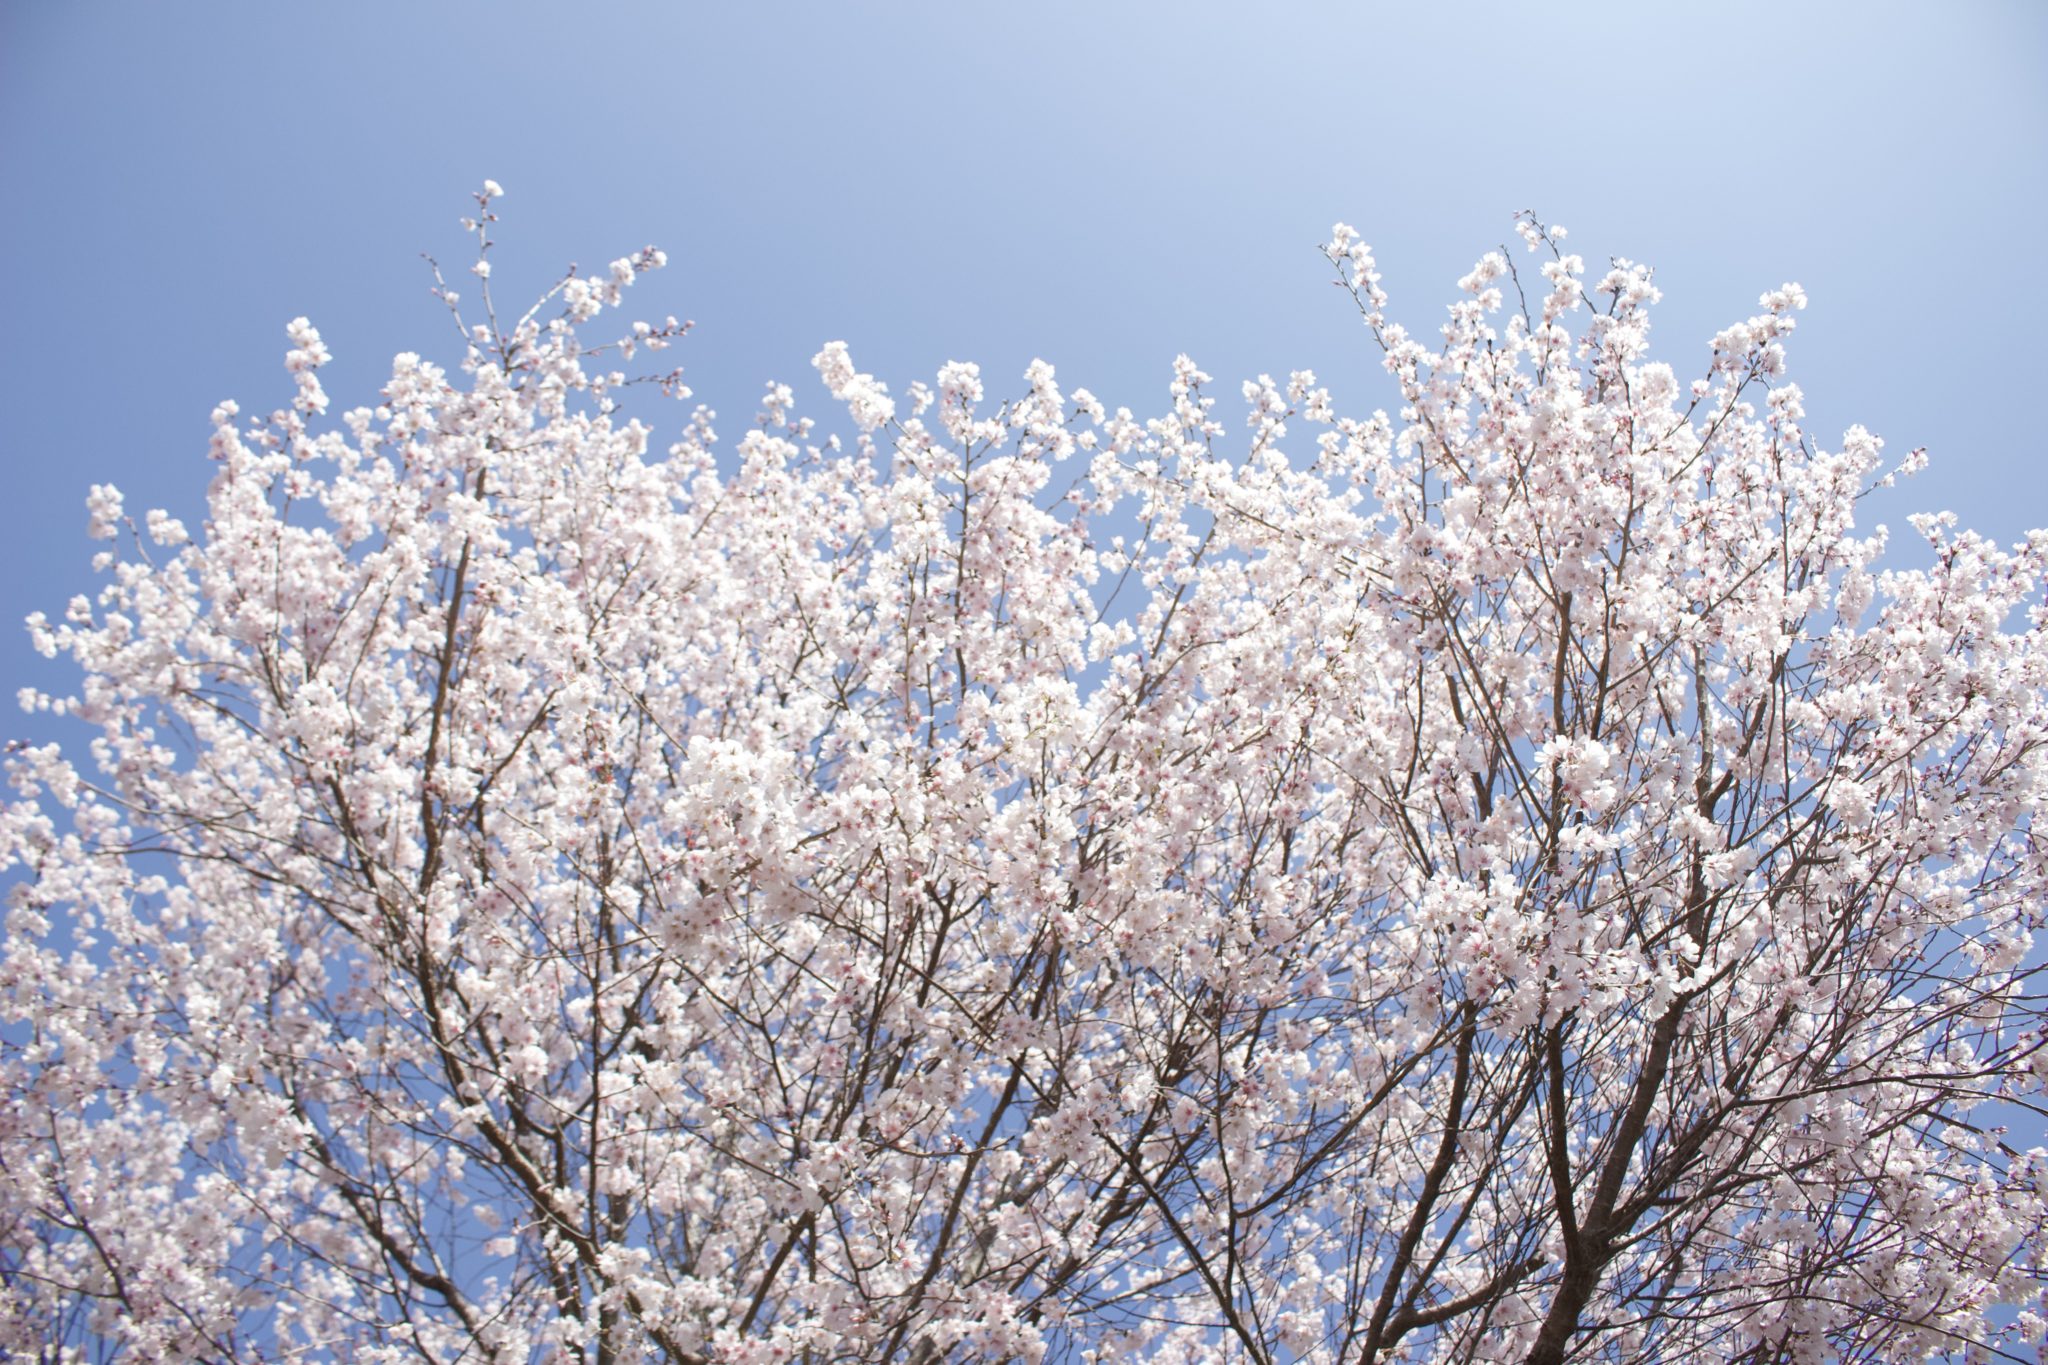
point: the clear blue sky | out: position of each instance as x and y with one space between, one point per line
1103 185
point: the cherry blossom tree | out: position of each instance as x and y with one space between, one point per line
1513 880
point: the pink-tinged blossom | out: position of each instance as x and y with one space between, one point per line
866 397
1513 877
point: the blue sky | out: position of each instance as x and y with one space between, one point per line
1102 185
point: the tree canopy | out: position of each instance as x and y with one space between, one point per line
1513 879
